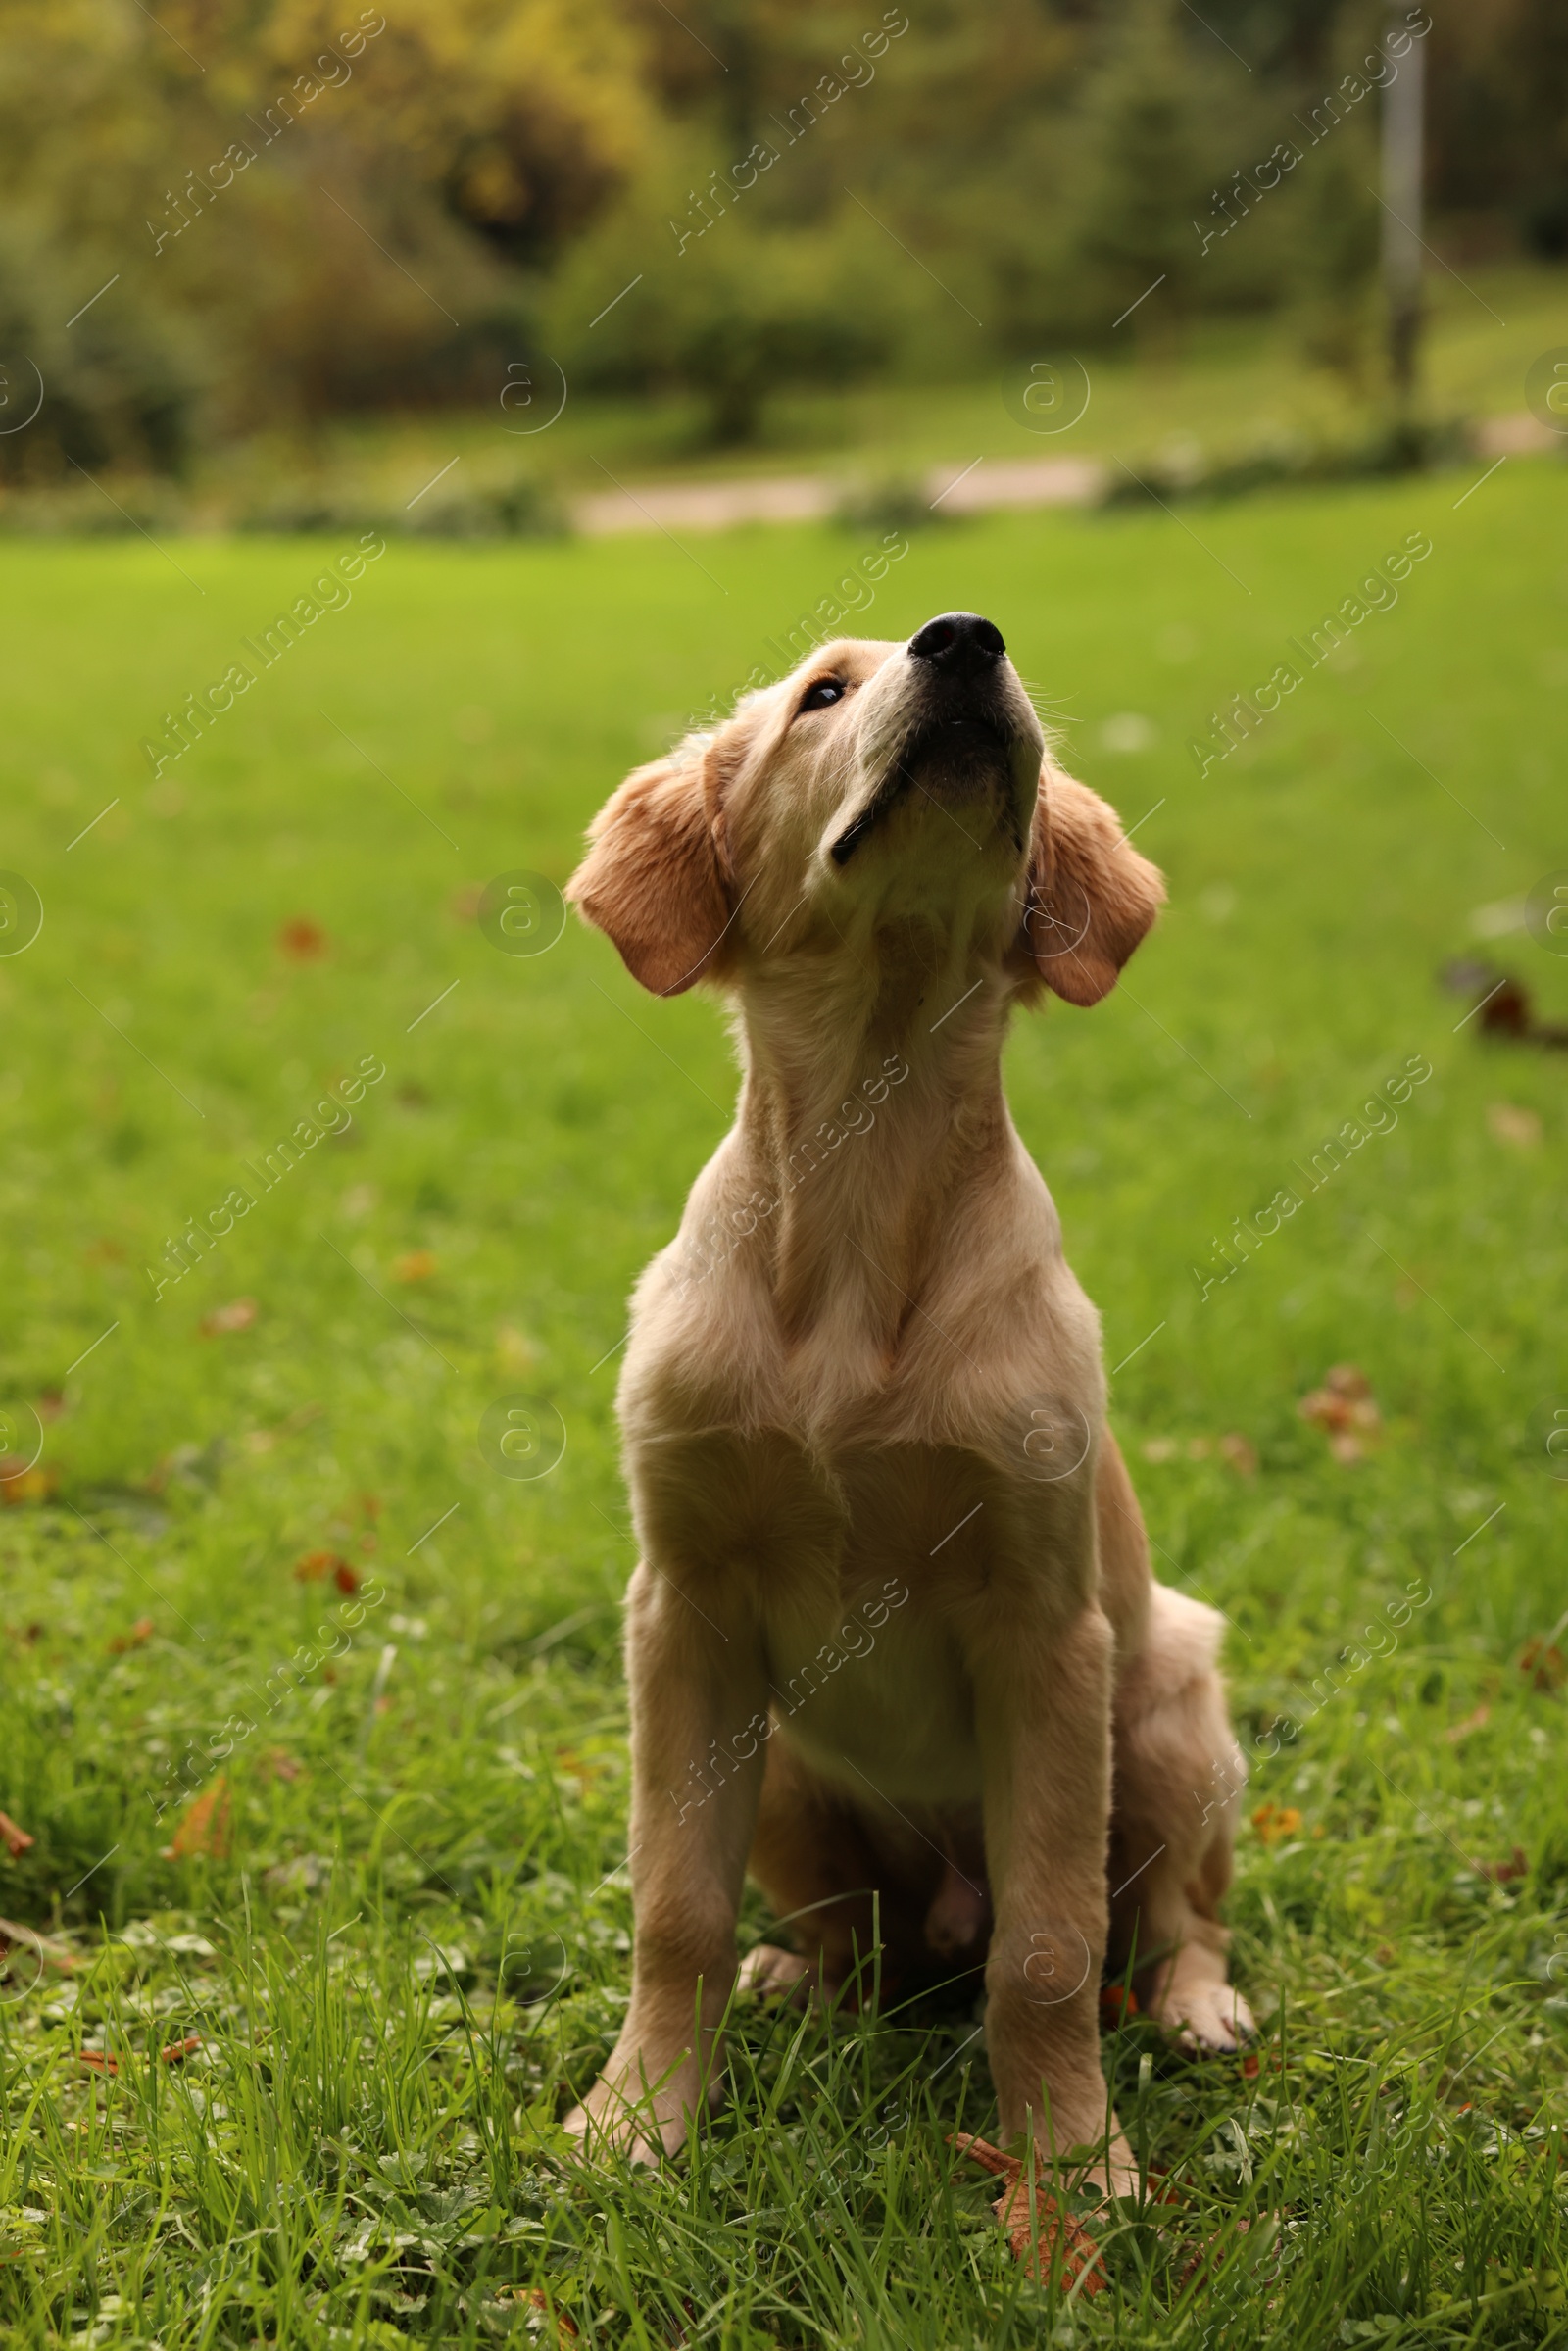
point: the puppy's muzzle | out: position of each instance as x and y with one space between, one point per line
955 716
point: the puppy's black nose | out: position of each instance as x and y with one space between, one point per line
960 644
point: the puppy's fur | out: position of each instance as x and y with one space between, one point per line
863 1370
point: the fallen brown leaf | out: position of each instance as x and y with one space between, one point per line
205 1826
1510 1124
313 1566
25 1938
142 1631
238 1315
281 1764
1547 1667
16 1841
1503 1873
301 939
414 1265
534 2297
1240 1452
1344 1409
1210 2256
20 1484
175 2054
1033 2219
1472 1722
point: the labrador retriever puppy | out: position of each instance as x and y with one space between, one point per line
893 1644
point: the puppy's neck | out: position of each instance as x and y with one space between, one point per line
866 1118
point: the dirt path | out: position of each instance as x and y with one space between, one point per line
986 484
809 497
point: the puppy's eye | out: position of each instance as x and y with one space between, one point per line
826 690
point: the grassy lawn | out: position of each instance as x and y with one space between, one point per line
314 1720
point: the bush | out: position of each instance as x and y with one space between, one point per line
730 317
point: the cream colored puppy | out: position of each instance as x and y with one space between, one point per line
893 1643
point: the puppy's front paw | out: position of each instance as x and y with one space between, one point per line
1207 2016
612 2128
769 1969
615 2120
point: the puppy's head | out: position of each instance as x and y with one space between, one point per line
879 793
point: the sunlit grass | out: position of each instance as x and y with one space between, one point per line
399 1932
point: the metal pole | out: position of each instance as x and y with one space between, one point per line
1402 109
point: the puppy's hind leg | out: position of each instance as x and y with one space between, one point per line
1179 1780
855 1915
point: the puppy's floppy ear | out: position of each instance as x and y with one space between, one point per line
1090 896
654 880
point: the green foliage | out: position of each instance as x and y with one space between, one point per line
418 1936
727 313
1143 174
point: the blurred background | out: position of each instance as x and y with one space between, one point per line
312 1695
268 259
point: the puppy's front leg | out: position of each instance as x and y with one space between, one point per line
698 1723
1042 1706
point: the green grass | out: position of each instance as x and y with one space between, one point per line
417 1937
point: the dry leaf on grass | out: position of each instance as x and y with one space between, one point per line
535 2300
237 1315
1545 1664
1042 2234
1345 1408
313 1566
1472 1722
414 1265
20 1482
175 2054
1213 2255
16 1841
301 939
1510 1124
205 1826
25 1938
142 1631
1503 1873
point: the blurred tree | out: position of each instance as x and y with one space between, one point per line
736 312
1336 220
270 212
1144 176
